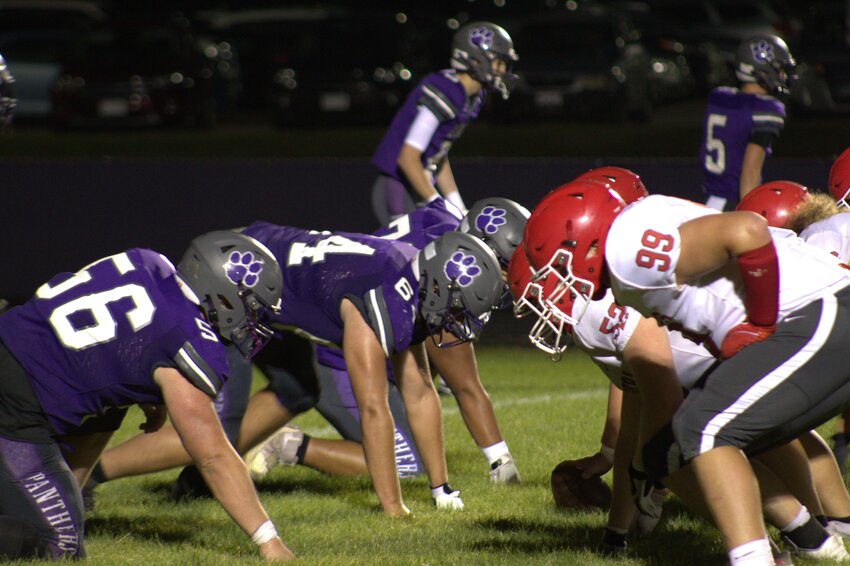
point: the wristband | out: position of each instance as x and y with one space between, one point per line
607 453
444 489
760 276
454 198
264 533
432 198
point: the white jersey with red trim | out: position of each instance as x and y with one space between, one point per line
642 252
831 234
605 330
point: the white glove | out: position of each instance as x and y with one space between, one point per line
446 498
642 495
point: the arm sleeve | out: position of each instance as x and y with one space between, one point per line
422 129
374 310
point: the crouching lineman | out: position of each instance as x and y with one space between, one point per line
127 329
716 277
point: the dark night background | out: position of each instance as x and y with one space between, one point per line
79 186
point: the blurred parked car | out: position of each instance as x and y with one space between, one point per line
311 66
717 27
34 35
824 59
582 62
137 72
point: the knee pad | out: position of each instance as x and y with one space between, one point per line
297 394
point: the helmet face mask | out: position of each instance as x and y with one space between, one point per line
486 52
766 61
460 283
236 280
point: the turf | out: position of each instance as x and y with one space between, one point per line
547 412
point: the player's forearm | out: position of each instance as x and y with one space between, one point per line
379 449
228 479
426 423
416 175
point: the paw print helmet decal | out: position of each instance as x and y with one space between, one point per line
460 283
499 223
476 46
235 279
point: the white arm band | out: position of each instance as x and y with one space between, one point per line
264 533
607 453
422 129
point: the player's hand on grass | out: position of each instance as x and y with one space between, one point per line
642 494
596 465
445 497
276 551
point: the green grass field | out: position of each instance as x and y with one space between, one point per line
547 412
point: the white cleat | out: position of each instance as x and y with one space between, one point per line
503 471
839 528
281 448
831 549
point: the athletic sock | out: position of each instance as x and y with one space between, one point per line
302 450
97 476
753 553
495 451
805 531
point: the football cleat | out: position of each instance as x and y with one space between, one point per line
831 549
838 527
281 448
503 471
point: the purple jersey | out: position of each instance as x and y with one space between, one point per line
418 229
731 120
91 340
442 94
320 269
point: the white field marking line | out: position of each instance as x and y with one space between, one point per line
508 402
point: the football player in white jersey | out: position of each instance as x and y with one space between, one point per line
632 350
716 277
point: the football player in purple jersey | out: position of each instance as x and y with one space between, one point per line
741 124
127 329
377 299
499 223
296 377
412 158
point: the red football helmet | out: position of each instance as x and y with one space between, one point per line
566 235
627 183
839 179
775 200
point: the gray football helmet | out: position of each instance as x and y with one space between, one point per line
499 223
7 99
235 279
474 48
459 284
766 61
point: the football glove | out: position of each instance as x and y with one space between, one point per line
642 491
446 498
743 335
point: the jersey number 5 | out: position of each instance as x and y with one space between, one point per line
655 251
715 163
